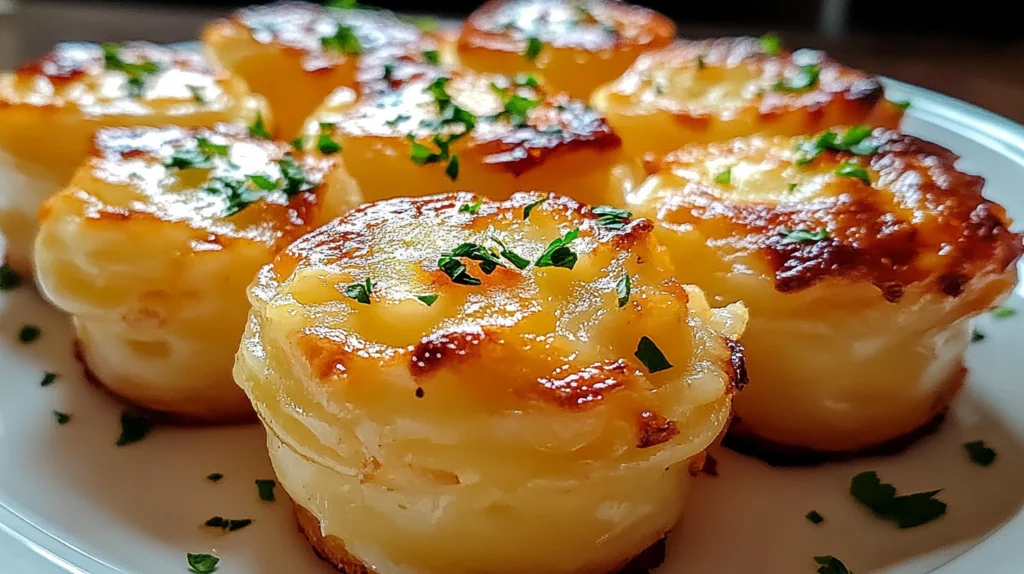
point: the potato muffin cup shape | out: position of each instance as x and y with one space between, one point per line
716 90
577 45
861 256
430 132
51 108
434 407
151 247
296 53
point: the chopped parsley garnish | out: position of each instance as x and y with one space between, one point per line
266 489
452 169
134 427
456 271
771 44
790 187
214 476
451 265
1003 312
724 177
199 157
806 78
298 143
324 142
977 336
907 511
802 235
62 418
263 182
423 155
237 192
343 40
427 300
471 207
29 333
397 120
831 565
48 379
516 109
432 57
202 563
198 94
389 71
622 290
137 74
295 179
9 278
533 48
979 453
855 140
558 253
258 128
529 208
527 81
901 104
449 113
360 291
611 217
211 149
851 169
343 4
651 356
814 517
229 524
511 256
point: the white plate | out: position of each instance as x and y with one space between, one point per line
74 498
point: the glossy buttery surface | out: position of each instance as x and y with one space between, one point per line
715 90
507 426
561 146
857 335
153 269
580 44
50 109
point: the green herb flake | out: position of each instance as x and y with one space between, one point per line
344 40
856 140
214 477
901 104
456 271
527 81
29 333
452 169
9 278
724 177
295 179
622 290
471 207
790 187
325 142
558 253
138 74
265 487
907 511
979 453
198 94
805 78
651 356
211 149
228 524
512 257
360 291
611 217
258 129
263 182
343 4
1003 312
62 418
48 379
851 169
134 427
202 563
533 48
771 44
432 57
814 517
831 565
530 207
427 300
298 143
802 235
977 336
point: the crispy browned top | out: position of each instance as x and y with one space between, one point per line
588 25
918 221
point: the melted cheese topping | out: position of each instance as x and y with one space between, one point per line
152 264
715 90
859 291
509 422
583 43
50 109
286 52
559 145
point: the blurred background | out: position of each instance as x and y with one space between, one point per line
973 50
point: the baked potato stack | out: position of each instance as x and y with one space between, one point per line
487 289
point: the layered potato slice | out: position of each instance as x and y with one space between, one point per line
517 387
861 255
297 53
50 109
424 132
716 90
577 45
151 247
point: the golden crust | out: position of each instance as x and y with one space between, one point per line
919 221
715 90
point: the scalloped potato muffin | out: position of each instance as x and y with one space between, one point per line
716 90
428 133
297 53
520 387
861 255
50 109
577 45
151 247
